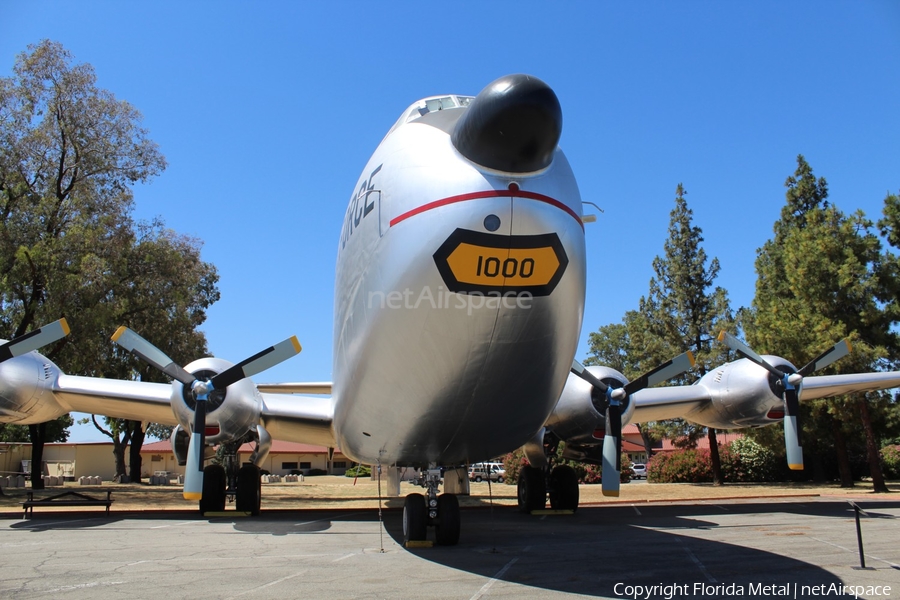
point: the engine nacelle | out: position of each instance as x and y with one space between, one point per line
26 384
743 395
579 412
234 411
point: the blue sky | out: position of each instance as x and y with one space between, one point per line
267 113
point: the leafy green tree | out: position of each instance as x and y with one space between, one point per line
163 294
822 278
69 154
55 431
158 431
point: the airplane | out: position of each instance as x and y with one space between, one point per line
459 295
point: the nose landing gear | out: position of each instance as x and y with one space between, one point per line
440 511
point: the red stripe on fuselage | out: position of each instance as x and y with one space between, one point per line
487 194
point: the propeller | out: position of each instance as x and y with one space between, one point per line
612 441
34 339
791 384
201 389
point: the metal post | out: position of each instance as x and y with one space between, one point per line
862 556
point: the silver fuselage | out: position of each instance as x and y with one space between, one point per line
426 375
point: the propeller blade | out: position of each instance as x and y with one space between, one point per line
150 354
257 363
745 351
792 429
836 352
34 339
664 372
612 441
612 451
579 370
193 471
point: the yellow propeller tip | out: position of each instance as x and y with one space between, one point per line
691 358
193 495
611 493
849 346
296 344
795 467
118 333
65 326
722 335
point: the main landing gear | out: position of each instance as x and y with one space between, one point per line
431 510
559 483
231 482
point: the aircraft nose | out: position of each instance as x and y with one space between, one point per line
513 125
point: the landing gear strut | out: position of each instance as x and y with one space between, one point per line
231 482
559 482
438 511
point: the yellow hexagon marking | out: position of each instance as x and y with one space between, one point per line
516 267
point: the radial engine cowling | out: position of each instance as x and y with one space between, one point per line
580 411
26 384
233 411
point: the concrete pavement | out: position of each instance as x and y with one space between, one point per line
798 548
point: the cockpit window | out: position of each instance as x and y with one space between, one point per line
434 104
429 105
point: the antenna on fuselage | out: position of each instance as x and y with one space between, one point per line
590 218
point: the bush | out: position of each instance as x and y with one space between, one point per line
890 459
358 471
750 461
744 460
512 464
680 466
314 472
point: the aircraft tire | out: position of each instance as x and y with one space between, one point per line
213 499
415 518
563 488
249 490
532 489
446 532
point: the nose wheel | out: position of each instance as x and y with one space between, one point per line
431 510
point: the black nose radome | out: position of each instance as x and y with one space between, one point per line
513 125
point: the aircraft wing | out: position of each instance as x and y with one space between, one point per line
305 387
136 400
655 404
306 419
822 386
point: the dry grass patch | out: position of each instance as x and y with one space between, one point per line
342 492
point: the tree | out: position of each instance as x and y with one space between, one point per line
56 431
69 152
53 431
163 293
683 310
823 277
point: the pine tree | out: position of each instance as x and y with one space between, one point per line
820 279
683 311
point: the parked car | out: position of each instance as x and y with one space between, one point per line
482 471
639 471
